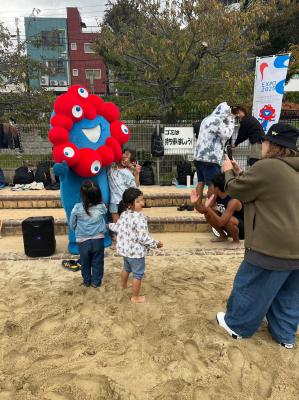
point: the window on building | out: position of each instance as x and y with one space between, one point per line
62 38
75 72
73 46
53 38
93 74
88 48
56 66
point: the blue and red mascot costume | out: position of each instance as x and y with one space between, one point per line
87 137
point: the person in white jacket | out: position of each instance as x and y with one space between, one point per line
133 240
215 130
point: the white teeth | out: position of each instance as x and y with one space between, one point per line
93 134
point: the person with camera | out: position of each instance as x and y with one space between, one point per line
267 282
250 129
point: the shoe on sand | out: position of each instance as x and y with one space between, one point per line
288 346
221 322
71 265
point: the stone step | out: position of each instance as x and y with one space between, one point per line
156 196
160 219
175 244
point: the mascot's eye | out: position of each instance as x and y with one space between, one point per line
77 111
68 152
95 167
125 129
83 92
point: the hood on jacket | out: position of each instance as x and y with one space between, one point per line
293 162
222 111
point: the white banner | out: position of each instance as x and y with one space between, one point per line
270 75
178 140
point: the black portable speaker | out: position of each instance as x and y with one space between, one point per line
39 236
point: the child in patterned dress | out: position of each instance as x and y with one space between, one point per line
133 240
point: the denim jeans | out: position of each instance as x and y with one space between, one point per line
92 261
136 266
258 292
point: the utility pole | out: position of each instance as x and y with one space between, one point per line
18 36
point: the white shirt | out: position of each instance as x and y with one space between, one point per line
133 239
120 179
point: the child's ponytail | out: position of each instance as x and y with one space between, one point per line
121 207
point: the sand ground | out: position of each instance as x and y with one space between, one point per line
60 341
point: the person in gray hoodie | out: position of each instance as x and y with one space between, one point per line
214 132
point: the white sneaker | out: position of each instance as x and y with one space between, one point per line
39 186
32 185
17 187
288 346
221 322
28 186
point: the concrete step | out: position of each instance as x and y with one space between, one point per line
160 219
155 196
175 244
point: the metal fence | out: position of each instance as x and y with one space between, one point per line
37 148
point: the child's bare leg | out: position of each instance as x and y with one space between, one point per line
135 292
124 276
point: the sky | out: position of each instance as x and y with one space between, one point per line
91 11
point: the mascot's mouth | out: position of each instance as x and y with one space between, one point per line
93 134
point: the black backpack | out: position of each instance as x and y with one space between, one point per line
43 174
23 176
184 169
147 176
157 146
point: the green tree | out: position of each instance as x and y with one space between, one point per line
282 28
282 33
25 104
27 107
15 66
185 52
120 14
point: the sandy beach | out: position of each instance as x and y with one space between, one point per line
60 341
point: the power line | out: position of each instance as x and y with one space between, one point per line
62 15
40 15
59 8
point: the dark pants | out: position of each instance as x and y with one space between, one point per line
206 172
259 293
92 261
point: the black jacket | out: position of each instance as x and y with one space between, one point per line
251 129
